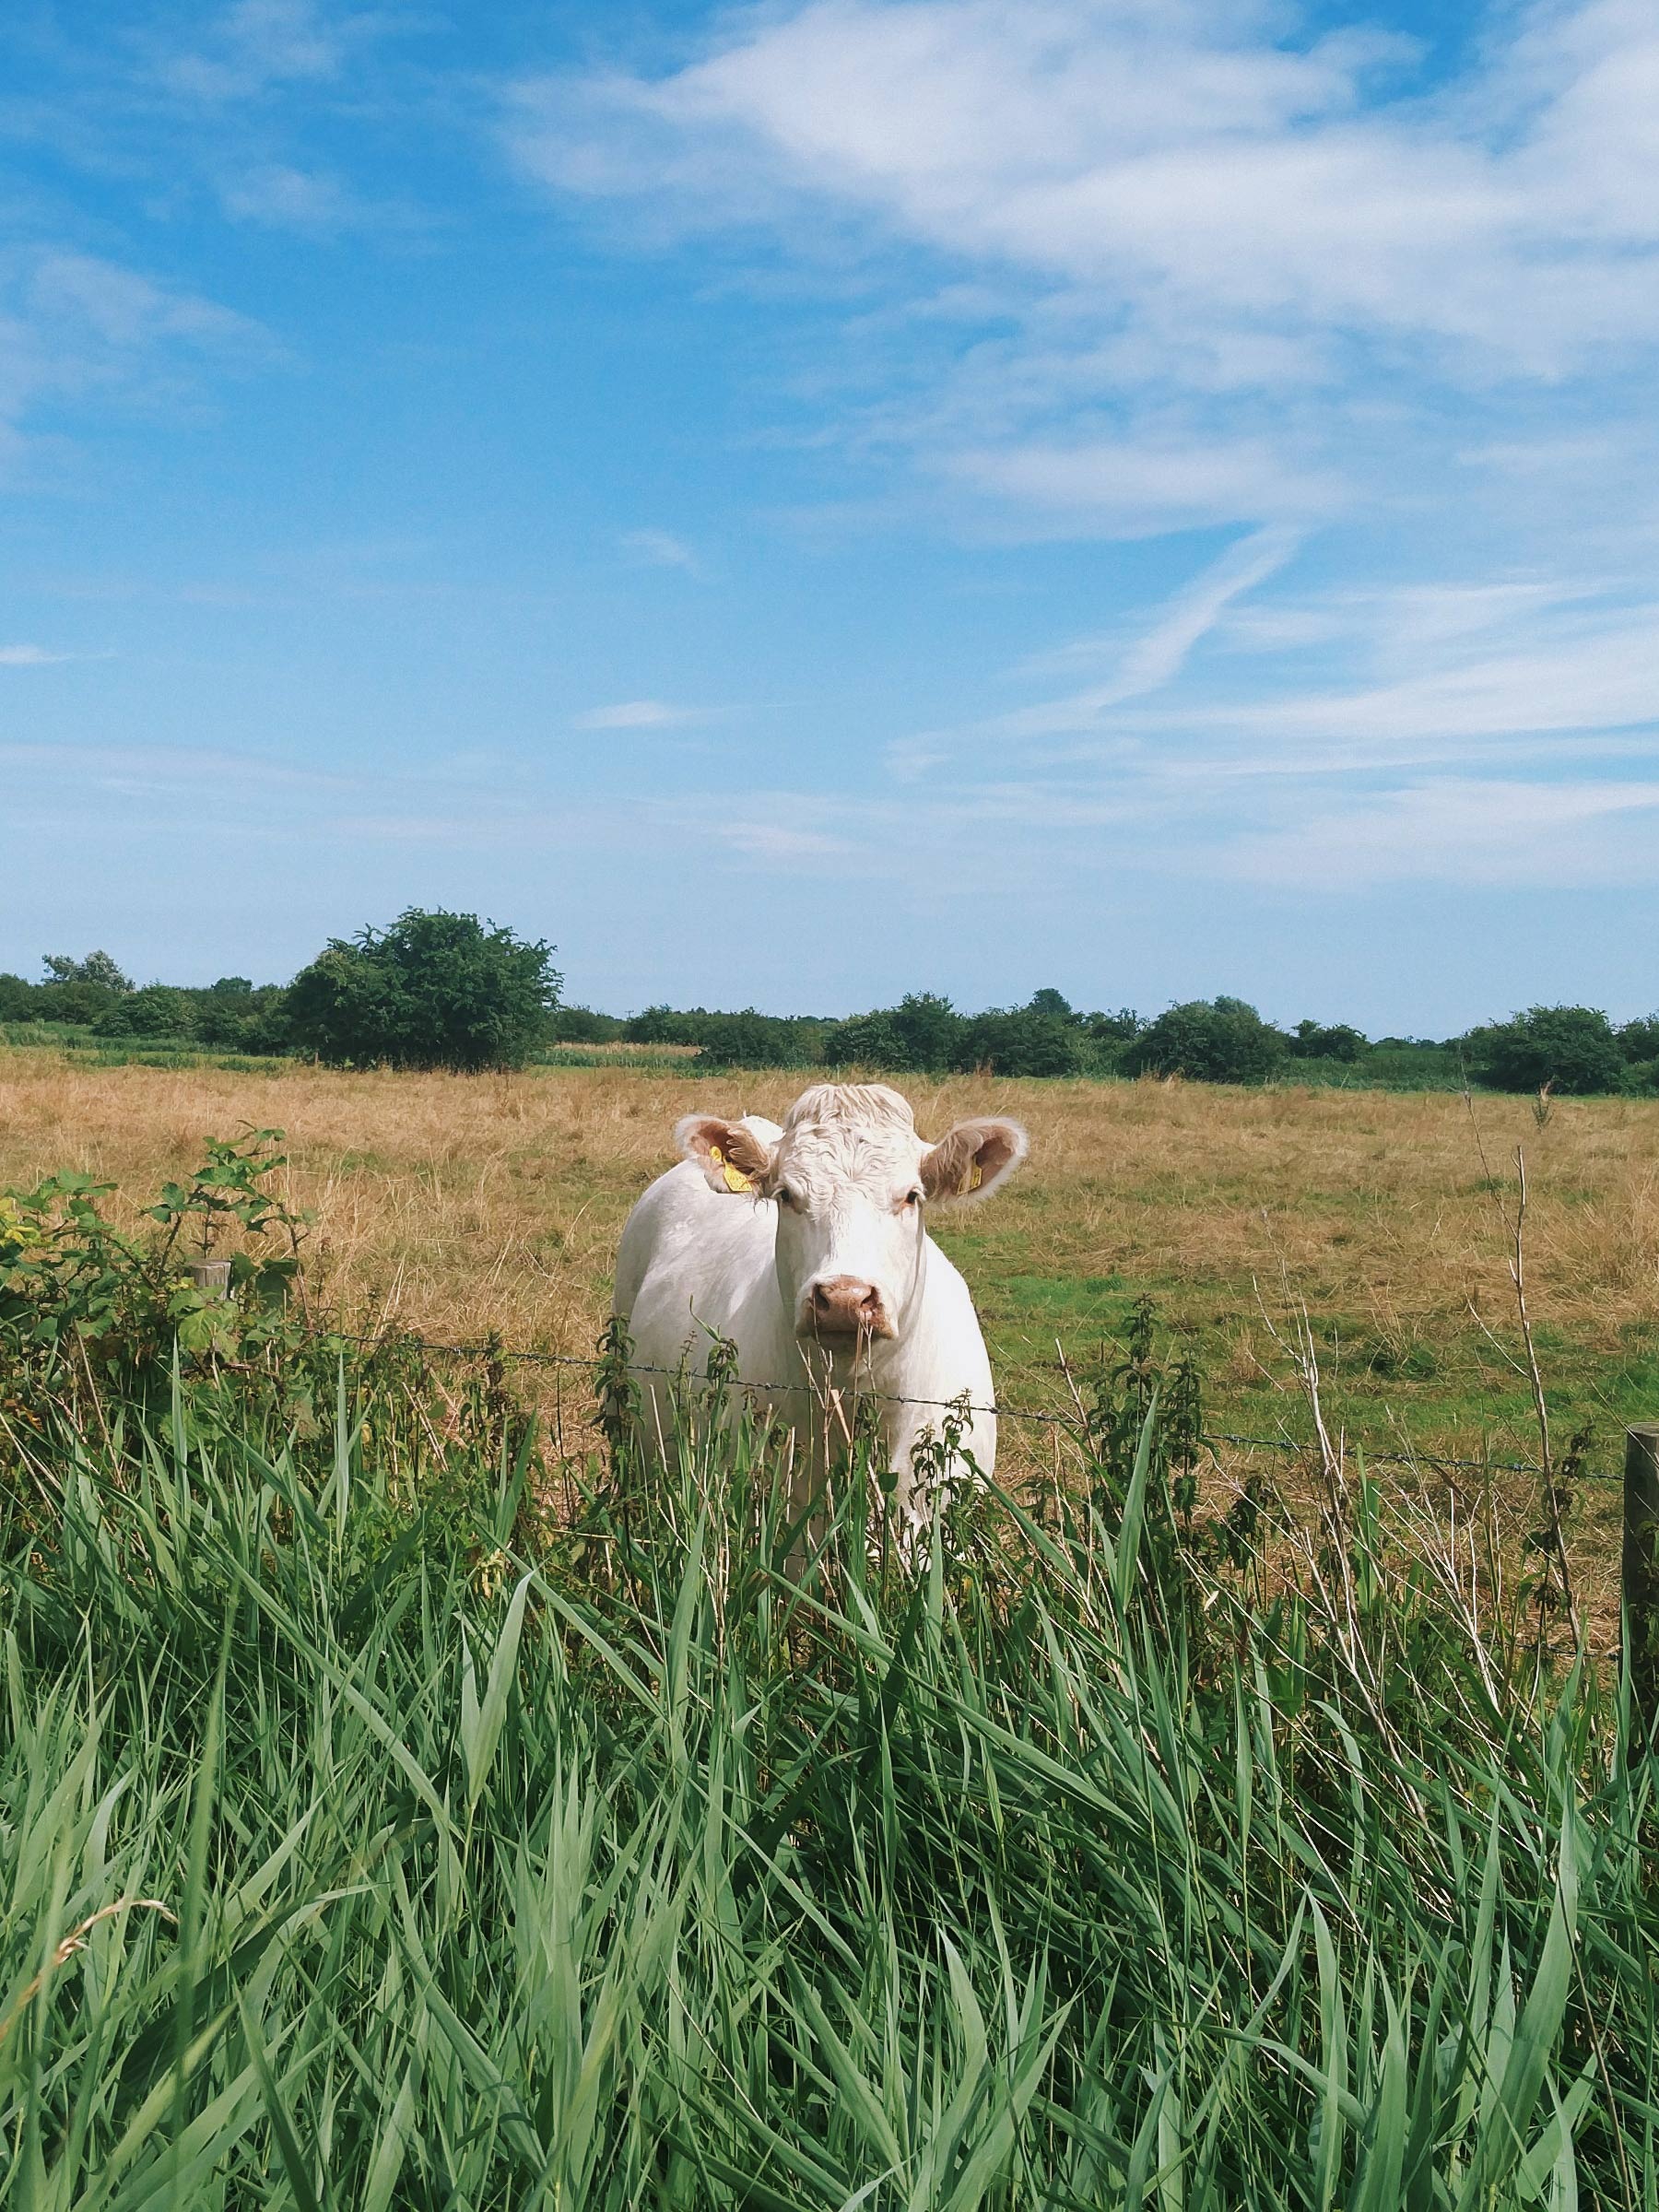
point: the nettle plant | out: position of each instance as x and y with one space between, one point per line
82 1301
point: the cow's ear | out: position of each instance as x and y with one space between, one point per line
969 1163
730 1156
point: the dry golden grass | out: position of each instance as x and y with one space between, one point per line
456 1206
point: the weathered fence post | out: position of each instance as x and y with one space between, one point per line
211 1278
1641 1569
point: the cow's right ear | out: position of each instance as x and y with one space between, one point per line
730 1156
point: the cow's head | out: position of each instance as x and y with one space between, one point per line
851 1181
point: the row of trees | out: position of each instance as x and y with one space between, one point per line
1220 1039
445 989
434 990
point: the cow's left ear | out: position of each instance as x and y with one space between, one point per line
969 1163
730 1156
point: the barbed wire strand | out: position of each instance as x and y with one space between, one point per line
1048 1415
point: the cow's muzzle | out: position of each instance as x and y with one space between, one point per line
842 1305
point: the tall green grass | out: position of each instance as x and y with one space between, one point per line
360 1847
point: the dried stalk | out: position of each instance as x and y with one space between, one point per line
1516 1228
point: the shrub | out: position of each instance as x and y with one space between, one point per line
74 1002
658 1025
864 1041
752 1040
1638 1040
1320 1040
921 1035
929 1030
86 1306
159 1010
434 990
580 1025
1210 1041
1572 1049
1021 1042
1114 1029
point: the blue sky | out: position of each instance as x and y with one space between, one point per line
805 503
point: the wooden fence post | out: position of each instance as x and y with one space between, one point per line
1641 1569
211 1278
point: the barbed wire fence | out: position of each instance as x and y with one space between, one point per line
1071 1419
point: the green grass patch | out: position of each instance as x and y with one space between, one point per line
367 1840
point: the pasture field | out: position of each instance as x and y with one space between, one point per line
458 1206
390 1817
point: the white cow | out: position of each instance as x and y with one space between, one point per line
807 1247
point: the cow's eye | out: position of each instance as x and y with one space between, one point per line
786 1195
913 1198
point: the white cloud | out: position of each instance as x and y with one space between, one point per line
1485 830
1141 489
780 845
31 656
660 549
76 325
1496 732
282 197
640 714
1265 252
1180 157
255 43
92 301
1159 654
1561 678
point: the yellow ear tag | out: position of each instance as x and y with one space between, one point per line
974 1179
735 1180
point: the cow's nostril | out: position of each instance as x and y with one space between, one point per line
846 1302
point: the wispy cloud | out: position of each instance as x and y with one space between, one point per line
640 714
31 656
80 326
661 550
1228 264
279 196
255 43
1157 657
1145 664
778 845
1486 830
1374 770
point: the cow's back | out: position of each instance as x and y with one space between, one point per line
695 1264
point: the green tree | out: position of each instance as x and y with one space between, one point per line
865 1040
1573 1049
159 1010
1210 1041
1023 1040
921 1035
96 968
435 990
1327 1040
929 1029
580 1025
658 1025
73 1002
753 1040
